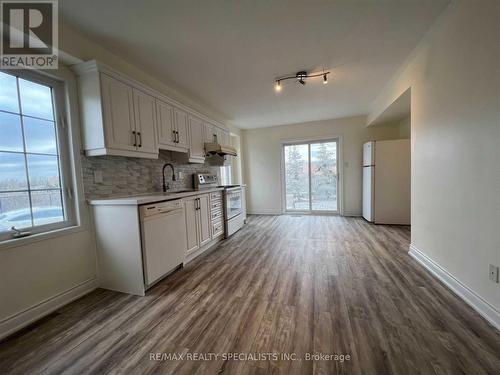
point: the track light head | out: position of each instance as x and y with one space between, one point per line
277 87
325 79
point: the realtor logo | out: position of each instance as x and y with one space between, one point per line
29 34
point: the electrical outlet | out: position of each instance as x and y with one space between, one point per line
180 175
494 273
98 176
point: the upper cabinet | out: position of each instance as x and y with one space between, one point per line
214 134
172 127
196 140
121 116
145 122
118 107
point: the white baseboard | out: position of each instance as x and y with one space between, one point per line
23 318
486 310
265 211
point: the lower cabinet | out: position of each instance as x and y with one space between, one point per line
197 212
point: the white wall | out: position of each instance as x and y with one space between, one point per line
42 274
455 133
262 149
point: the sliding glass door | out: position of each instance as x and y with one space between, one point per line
310 175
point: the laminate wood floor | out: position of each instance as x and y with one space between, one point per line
283 284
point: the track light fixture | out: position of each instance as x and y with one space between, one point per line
301 78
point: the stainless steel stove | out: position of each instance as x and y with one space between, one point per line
234 205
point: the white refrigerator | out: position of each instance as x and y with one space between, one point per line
386 181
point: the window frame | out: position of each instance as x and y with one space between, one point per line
64 154
340 174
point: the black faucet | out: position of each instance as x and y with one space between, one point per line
163 174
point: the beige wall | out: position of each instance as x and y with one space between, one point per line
262 158
455 132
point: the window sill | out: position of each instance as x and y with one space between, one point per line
17 242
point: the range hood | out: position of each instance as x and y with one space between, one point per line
218 149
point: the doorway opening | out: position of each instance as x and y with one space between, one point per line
311 177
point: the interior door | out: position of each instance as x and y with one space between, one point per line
204 219
119 122
165 125
191 214
145 121
196 144
181 126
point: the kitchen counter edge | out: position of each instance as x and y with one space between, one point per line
135 200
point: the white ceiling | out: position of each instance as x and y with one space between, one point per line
228 53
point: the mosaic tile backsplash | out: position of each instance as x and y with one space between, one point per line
128 176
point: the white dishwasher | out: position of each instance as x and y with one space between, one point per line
163 231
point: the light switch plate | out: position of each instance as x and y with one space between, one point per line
98 176
494 273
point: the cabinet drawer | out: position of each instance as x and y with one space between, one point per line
216 195
216 215
216 205
217 229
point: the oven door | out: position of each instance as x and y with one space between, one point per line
233 203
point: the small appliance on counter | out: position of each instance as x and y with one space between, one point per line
234 201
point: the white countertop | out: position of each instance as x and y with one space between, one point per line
148 197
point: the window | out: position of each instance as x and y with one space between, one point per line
311 178
32 153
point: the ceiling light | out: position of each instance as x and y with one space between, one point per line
301 78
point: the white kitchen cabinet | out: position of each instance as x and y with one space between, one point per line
197 213
215 134
117 119
121 116
145 122
118 107
191 213
165 126
205 221
181 127
172 127
196 140
209 133
223 137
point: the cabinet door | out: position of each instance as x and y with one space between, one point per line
196 143
191 214
118 106
181 127
205 234
145 121
165 123
209 133
223 137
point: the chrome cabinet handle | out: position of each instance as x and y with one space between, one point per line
140 139
176 136
135 138
173 136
